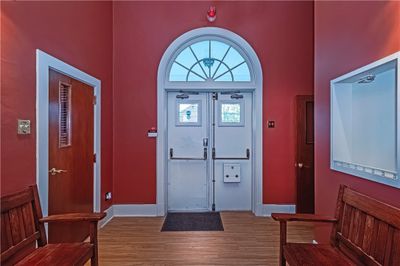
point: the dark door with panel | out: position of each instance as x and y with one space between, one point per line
71 149
305 154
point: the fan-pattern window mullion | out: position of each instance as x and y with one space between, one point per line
209 61
197 61
220 62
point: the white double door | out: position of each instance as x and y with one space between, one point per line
210 151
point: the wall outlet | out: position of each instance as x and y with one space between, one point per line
108 196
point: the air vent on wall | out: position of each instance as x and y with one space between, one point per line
64 115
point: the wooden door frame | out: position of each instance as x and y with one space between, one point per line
45 62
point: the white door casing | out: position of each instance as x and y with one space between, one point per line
43 63
164 86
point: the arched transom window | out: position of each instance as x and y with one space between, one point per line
209 60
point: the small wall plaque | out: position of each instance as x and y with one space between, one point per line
24 127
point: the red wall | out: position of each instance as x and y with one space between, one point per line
79 33
348 35
281 34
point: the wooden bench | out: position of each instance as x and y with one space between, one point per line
22 227
365 232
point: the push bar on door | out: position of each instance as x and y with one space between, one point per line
231 158
171 156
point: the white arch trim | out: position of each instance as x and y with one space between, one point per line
163 86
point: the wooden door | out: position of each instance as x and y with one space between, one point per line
71 149
305 154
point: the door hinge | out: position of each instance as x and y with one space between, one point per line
94 99
94 158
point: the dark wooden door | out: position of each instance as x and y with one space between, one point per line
305 154
71 133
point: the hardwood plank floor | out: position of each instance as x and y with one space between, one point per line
247 240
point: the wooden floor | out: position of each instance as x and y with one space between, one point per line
247 240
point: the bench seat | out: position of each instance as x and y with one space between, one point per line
59 254
365 231
23 234
312 254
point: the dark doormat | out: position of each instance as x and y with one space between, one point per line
193 221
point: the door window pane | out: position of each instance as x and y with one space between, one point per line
231 114
189 113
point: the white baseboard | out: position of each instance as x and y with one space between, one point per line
109 215
267 209
135 210
161 210
152 210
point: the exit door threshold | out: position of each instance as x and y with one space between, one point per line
189 211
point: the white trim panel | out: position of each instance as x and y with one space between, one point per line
135 210
109 215
268 209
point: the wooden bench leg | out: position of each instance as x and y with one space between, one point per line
282 242
93 240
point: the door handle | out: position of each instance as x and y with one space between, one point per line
54 171
231 158
301 165
171 156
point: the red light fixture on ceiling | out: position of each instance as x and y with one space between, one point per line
211 14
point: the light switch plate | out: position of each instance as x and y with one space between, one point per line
24 127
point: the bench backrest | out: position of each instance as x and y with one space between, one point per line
368 230
20 227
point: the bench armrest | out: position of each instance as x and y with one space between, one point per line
289 217
93 218
283 218
74 217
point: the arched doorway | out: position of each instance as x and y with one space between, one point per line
204 63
